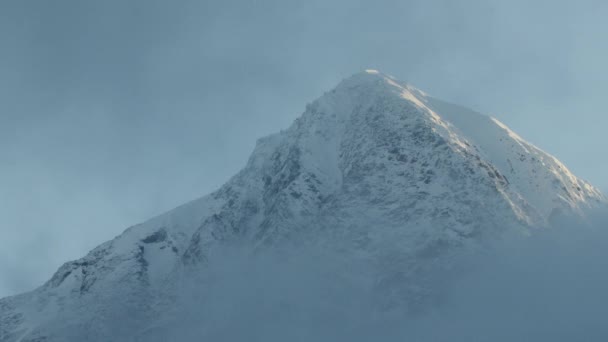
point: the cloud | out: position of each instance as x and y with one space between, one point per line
547 287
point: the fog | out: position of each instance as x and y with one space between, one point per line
114 111
550 286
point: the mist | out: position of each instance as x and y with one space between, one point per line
550 286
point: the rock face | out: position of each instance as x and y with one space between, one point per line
372 163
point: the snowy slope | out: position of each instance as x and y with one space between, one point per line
373 164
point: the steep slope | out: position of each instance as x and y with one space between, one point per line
374 165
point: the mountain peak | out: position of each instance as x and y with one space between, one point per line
369 76
368 85
379 113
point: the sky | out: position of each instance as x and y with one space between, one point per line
114 111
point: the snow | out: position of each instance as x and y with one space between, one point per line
372 163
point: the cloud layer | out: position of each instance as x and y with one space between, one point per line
548 287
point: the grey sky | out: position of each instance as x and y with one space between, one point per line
114 111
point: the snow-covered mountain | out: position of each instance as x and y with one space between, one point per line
373 166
